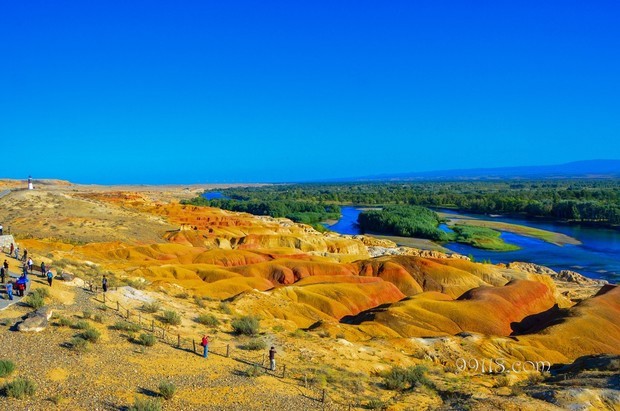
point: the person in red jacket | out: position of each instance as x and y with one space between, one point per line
205 346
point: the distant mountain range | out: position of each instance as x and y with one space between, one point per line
576 169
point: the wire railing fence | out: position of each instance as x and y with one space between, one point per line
260 363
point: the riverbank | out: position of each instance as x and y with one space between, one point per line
548 236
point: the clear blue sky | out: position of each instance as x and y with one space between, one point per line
223 91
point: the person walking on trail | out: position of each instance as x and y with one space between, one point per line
43 270
2 274
50 277
9 290
6 266
25 256
272 359
12 248
17 253
30 264
205 346
104 284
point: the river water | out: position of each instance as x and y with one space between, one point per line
598 255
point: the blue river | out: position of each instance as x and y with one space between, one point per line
598 255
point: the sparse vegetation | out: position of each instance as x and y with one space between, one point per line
19 388
82 325
151 307
253 371
225 308
167 389
35 300
65 322
171 317
247 325
98 318
87 314
78 344
91 335
146 340
376 404
182 295
147 404
399 378
207 319
126 326
254 345
6 368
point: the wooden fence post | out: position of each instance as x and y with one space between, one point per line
194 342
153 326
283 370
227 350
128 313
178 340
323 396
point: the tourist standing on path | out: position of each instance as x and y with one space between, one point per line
24 269
205 346
50 277
17 253
104 284
43 270
30 264
6 266
272 359
25 256
12 248
9 290
2 274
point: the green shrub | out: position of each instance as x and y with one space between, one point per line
147 340
126 326
78 344
98 318
248 325
208 320
6 368
41 292
399 378
182 295
146 404
35 301
225 308
253 371
65 322
254 345
376 404
137 284
171 317
91 335
167 389
151 307
19 388
87 314
199 302
82 325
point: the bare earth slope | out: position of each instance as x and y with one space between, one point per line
338 316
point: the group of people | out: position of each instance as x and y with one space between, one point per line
18 287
